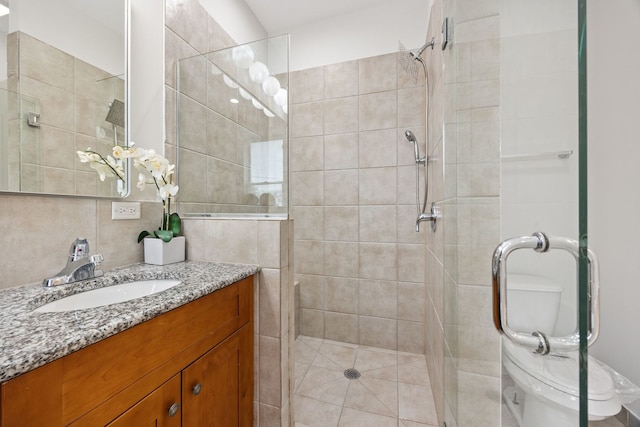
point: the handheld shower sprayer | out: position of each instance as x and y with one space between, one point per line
421 205
416 151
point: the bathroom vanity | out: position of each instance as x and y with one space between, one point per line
184 358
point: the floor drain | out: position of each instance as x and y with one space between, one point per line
352 374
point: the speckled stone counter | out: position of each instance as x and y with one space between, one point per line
29 339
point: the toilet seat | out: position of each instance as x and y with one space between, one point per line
556 379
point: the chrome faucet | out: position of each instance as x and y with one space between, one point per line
80 266
432 217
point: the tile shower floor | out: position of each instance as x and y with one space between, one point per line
393 389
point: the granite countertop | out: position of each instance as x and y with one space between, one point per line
29 339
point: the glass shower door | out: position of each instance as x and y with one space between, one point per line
542 298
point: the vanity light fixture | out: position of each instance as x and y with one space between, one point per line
229 81
280 98
243 93
258 72
271 86
243 56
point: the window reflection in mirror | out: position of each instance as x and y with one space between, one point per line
62 89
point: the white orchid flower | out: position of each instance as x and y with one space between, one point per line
154 169
167 191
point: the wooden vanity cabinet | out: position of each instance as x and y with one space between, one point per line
161 408
191 366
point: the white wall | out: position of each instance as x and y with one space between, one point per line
614 177
363 34
375 31
147 74
236 18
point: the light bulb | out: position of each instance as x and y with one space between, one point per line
271 86
243 93
242 56
280 98
268 113
229 82
258 72
256 104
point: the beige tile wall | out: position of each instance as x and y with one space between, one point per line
266 243
359 261
72 98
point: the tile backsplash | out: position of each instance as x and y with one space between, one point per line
37 232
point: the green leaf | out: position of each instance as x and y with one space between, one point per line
142 235
165 235
175 224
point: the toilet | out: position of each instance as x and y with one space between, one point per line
546 390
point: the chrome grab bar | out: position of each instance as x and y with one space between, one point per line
538 341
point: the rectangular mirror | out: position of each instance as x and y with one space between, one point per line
63 88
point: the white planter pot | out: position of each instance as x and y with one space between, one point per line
160 253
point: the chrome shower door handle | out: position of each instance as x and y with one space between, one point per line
537 341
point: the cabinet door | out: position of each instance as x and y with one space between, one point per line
161 408
215 386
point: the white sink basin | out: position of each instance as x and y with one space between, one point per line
108 295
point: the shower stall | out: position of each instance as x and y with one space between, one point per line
498 116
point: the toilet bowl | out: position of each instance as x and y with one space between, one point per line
547 387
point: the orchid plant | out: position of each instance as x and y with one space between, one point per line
154 170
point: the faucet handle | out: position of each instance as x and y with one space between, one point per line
97 259
79 249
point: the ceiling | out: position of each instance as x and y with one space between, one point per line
278 16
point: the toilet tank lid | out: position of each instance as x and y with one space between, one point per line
529 282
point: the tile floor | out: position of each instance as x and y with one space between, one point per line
393 389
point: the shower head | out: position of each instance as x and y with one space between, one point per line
115 116
408 59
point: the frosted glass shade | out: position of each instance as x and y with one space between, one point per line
280 98
243 93
229 82
258 72
271 86
257 104
242 56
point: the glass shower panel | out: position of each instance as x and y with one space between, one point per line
540 181
232 121
512 152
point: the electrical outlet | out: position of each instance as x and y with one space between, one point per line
125 210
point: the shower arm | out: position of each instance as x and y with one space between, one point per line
417 55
